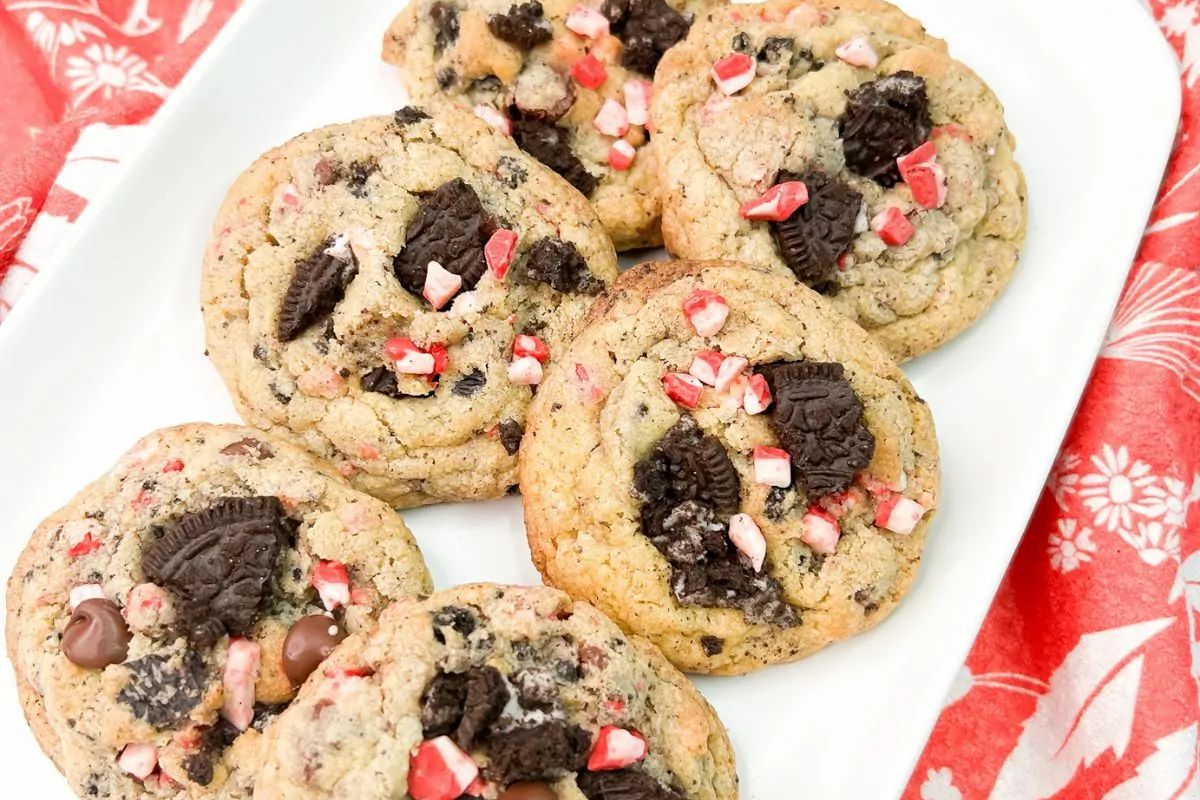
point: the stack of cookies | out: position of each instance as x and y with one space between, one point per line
722 465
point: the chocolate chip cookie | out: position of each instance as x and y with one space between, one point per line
163 618
387 293
569 81
835 141
487 691
728 467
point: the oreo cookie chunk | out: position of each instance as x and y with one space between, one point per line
571 84
844 146
161 620
745 466
498 691
389 292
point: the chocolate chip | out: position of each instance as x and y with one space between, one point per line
217 562
687 463
317 285
536 752
813 238
409 115
450 228
463 704
551 145
523 26
885 119
529 790
818 419
712 645
309 641
559 264
511 171
740 43
510 435
96 635
248 447
163 688
624 784
382 380
456 618
324 172
445 26
470 384
213 741
647 28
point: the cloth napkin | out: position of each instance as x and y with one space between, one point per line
1083 680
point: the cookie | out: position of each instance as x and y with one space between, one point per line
506 692
728 467
163 617
837 142
386 293
570 82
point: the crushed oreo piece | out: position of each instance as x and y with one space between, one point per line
409 115
450 227
446 77
813 238
217 562
559 264
456 618
445 26
536 752
511 172
624 784
470 384
523 26
163 688
382 380
866 598
885 119
463 705
774 506
249 446
712 645
356 176
819 421
688 464
317 285
510 432
740 43
647 28
551 145
213 741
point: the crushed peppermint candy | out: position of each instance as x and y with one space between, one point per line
587 22
332 582
705 366
494 117
892 226
84 591
440 285
733 72
440 770
526 345
139 760
683 389
758 395
778 204
241 671
924 175
706 311
772 466
611 119
748 539
731 369
409 358
498 252
858 53
589 72
638 93
525 371
821 531
621 155
616 748
899 514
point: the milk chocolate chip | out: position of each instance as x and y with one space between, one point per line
308 643
97 635
529 790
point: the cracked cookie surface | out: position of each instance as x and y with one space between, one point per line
151 620
522 691
843 89
366 284
546 71
743 497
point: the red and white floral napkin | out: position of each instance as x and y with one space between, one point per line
1083 681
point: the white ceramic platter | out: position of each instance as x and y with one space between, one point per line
108 344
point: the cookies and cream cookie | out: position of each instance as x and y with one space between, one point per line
836 141
728 467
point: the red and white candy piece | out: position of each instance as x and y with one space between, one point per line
145 606
928 184
638 93
88 544
494 117
772 466
589 72
525 371
821 531
731 369
683 389
498 252
616 748
733 72
621 155
858 53
779 202
139 760
899 514
706 311
526 345
746 537
587 22
84 591
925 154
440 285
440 770
241 671
410 359
892 226
332 583
611 119
758 395
705 366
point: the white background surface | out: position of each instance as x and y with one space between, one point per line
109 345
